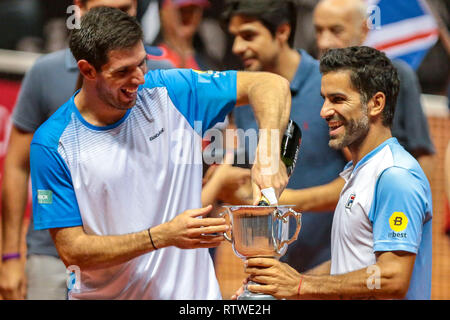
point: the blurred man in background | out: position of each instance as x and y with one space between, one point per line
343 23
263 38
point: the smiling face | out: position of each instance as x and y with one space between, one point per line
347 116
253 43
118 80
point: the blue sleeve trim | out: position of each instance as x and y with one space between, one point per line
43 225
386 245
54 200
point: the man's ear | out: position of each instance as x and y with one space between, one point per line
87 70
283 32
376 104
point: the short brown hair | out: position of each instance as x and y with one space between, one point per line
103 29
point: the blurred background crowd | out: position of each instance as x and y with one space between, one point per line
40 26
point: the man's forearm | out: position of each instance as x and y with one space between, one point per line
211 189
14 202
16 170
185 231
269 95
271 103
337 287
318 198
94 252
322 269
389 278
354 285
270 98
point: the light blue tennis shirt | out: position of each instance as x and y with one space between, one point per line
385 205
137 173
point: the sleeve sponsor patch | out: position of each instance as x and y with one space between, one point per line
45 196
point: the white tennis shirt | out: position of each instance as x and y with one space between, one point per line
385 205
140 172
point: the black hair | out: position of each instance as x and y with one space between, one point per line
103 29
271 13
370 72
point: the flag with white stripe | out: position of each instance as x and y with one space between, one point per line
403 29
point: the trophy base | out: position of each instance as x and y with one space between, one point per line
248 295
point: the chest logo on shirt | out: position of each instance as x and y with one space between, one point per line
205 76
157 135
350 201
398 221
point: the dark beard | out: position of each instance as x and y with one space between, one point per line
356 132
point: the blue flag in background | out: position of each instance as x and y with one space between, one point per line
403 29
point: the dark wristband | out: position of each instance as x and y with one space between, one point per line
9 256
151 240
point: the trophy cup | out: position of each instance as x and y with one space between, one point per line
260 231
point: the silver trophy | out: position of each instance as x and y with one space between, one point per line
260 231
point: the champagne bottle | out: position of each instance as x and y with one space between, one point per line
290 145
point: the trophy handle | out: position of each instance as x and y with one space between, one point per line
225 235
298 220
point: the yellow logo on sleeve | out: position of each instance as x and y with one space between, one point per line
398 221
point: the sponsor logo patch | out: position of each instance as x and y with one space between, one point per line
45 196
398 222
350 201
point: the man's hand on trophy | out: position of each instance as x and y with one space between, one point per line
274 277
266 176
187 231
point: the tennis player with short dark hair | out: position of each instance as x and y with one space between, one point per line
117 172
382 226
